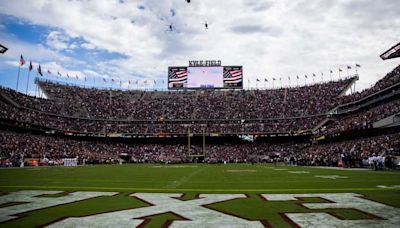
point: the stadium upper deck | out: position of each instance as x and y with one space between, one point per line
139 105
214 112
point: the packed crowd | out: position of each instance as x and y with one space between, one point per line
26 115
353 153
261 111
361 120
390 79
21 115
14 146
178 105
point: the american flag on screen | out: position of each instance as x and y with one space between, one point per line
233 76
177 76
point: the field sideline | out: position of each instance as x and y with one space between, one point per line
194 181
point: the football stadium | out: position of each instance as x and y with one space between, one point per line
199 114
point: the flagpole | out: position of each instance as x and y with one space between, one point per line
19 69
37 86
27 84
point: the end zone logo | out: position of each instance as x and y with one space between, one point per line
196 213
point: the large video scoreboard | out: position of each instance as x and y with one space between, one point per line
205 75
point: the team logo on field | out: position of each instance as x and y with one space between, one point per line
197 213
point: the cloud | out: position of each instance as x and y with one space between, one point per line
259 6
269 38
88 46
57 40
251 29
36 52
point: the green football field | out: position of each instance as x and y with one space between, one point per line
253 194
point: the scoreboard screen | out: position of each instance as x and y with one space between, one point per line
213 77
205 77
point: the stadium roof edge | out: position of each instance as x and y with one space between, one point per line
393 52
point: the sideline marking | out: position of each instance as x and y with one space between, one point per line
298 172
241 171
194 189
389 186
333 177
175 166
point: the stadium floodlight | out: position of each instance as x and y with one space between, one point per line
393 52
3 49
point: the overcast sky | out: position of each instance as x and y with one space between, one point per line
130 40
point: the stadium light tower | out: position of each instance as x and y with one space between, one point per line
3 49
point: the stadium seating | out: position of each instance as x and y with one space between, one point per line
389 80
47 148
94 110
361 119
258 112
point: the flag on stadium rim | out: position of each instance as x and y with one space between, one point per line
265 80
298 77
358 65
257 80
67 75
340 70
21 61
305 76
58 72
40 70
30 66
76 76
273 79
48 72
349 67
331 71
313 75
